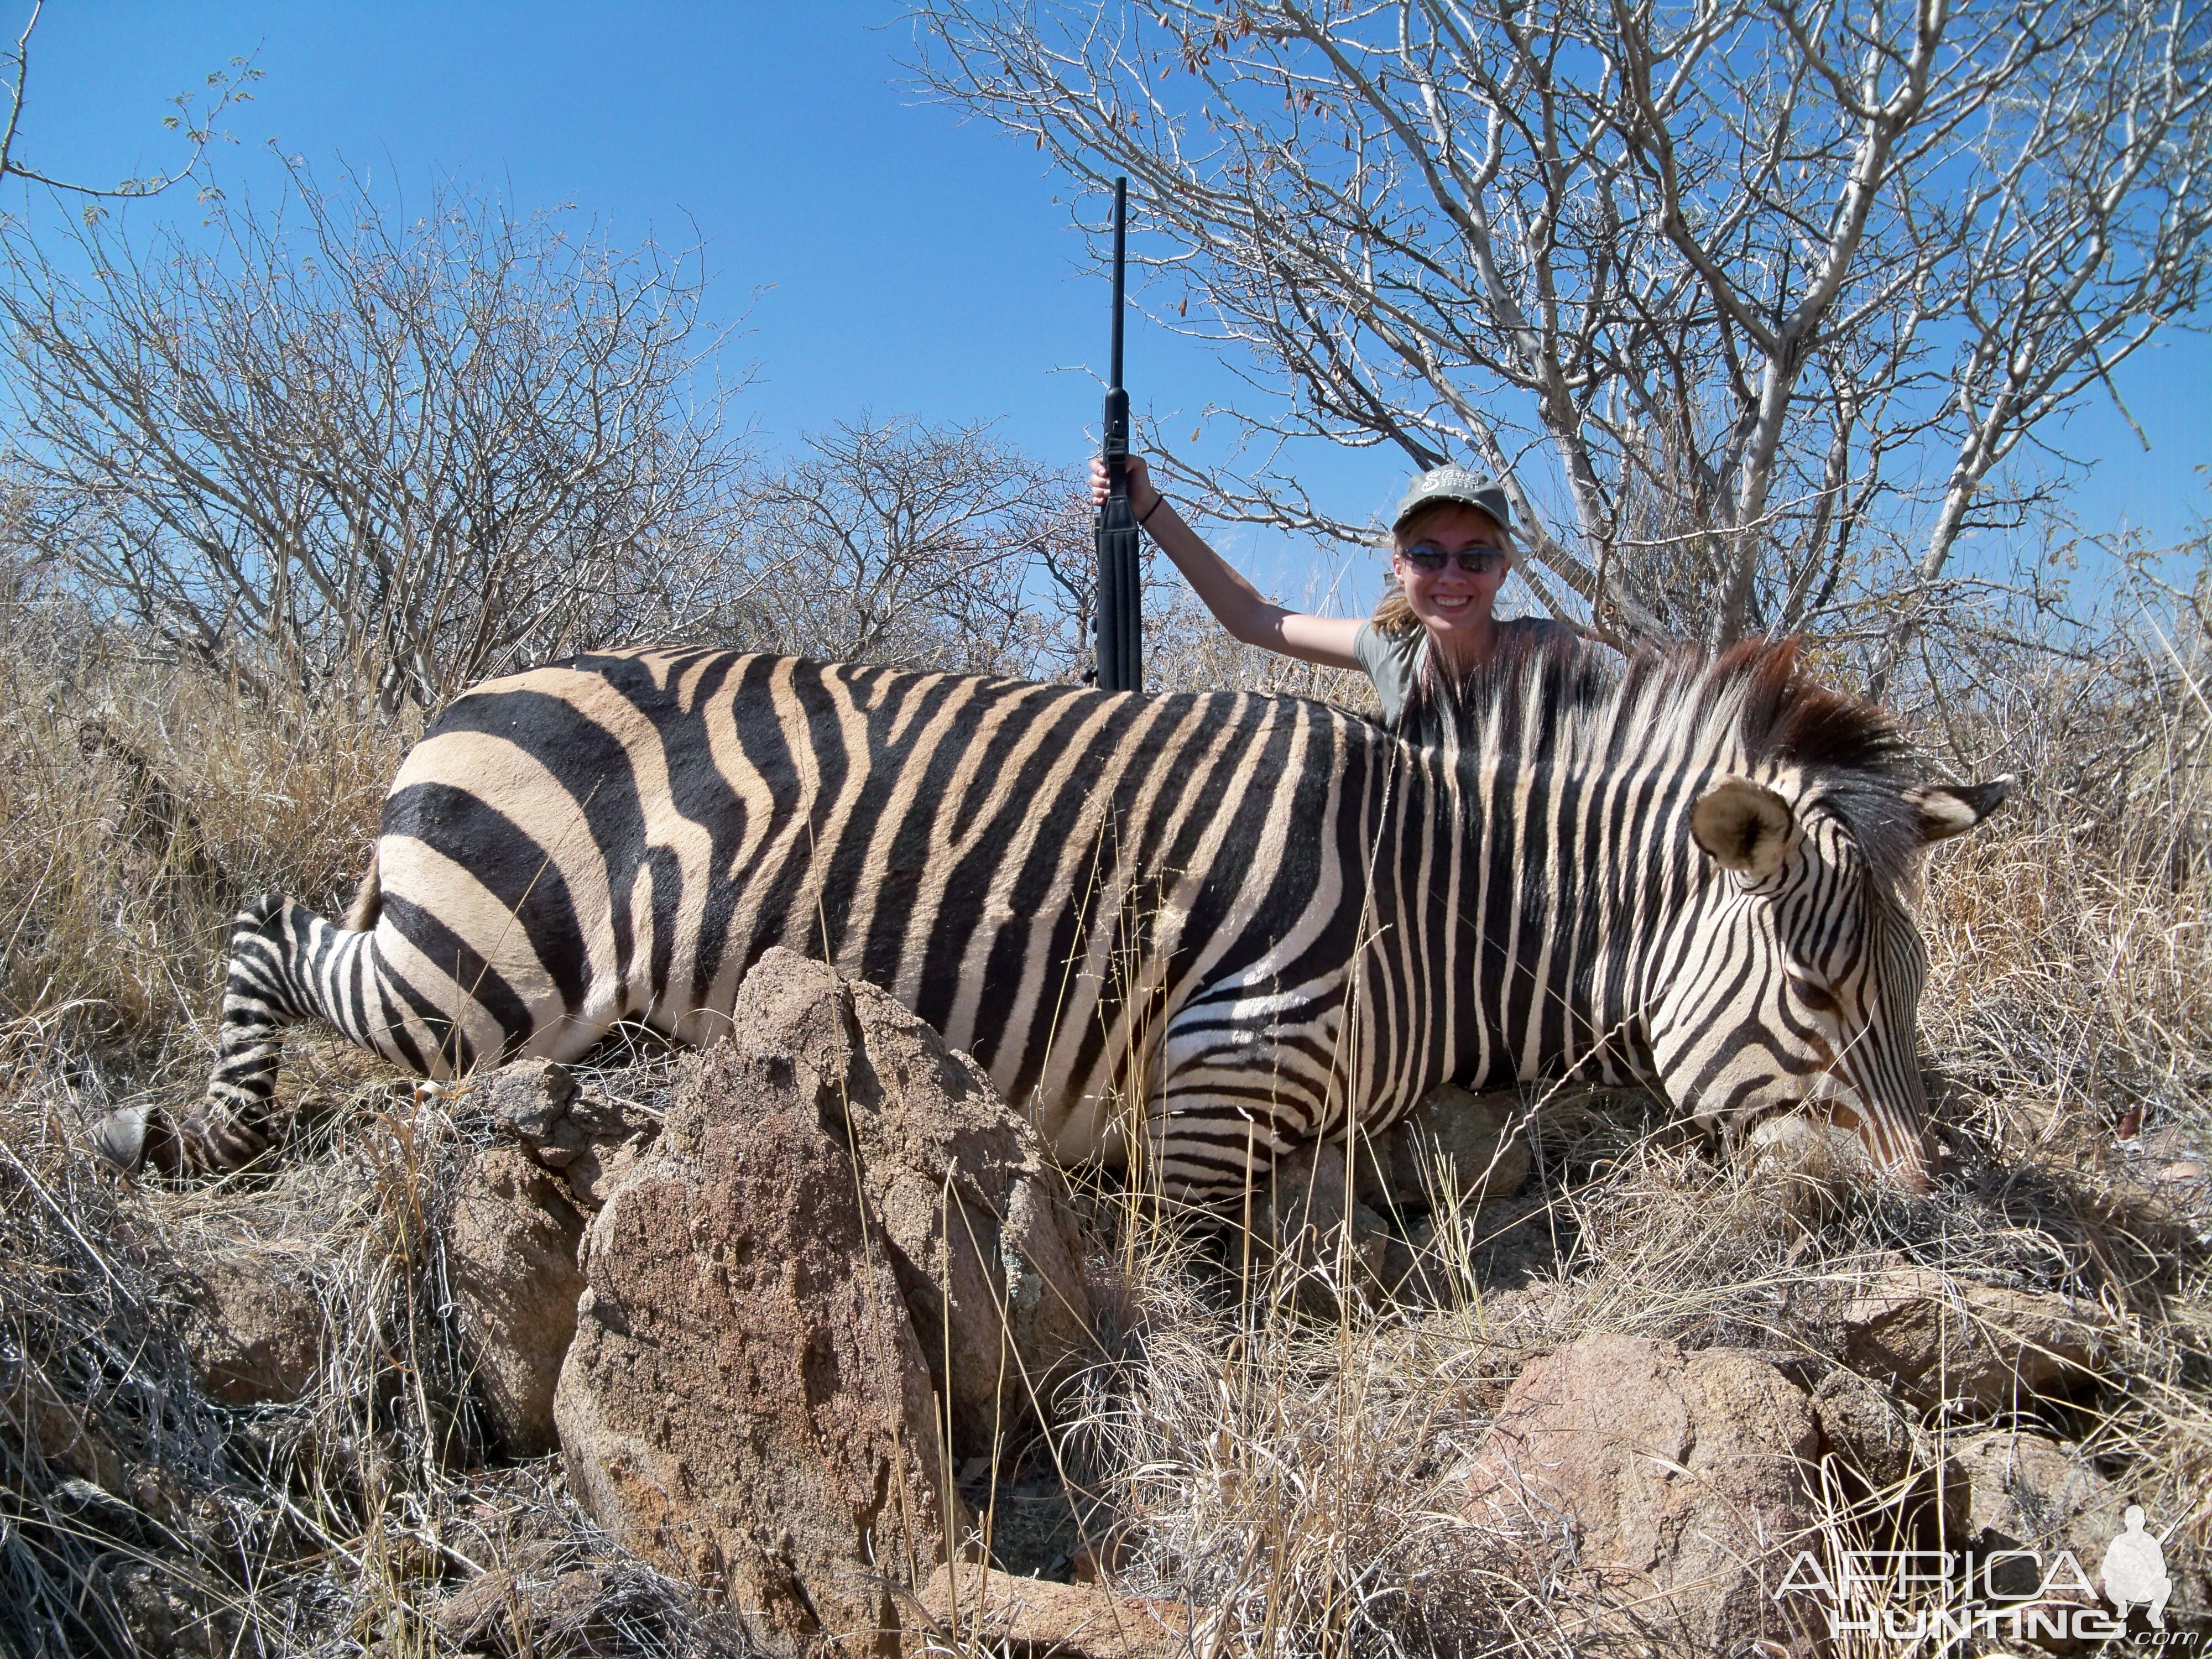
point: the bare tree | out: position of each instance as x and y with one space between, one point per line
411 450
1711 283
198 128
897 541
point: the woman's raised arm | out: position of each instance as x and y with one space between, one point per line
1235 603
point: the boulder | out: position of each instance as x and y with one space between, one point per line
1980 1347
255 1336
511 1242
1475 1147
1032 1619
746 1404
985 1246
1677 1485
2024 1491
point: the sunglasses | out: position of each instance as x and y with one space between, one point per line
1476 560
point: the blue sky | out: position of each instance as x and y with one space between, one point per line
905 260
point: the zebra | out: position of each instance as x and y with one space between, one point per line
1192 931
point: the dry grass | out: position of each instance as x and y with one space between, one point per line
1299 1476
143 801
326 1525
1291 1475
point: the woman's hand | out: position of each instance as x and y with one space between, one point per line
1143 498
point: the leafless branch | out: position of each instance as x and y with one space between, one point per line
224 88
1718 278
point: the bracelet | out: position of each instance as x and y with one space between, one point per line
1157 498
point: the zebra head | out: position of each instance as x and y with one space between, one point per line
1797 980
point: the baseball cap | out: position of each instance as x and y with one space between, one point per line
1451 482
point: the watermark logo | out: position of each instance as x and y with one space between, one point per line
2135 1569
1945 1598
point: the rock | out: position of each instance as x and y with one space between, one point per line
1935 1340
163 1614
511 1243
502 1614
58 1431
1679 1481
597 1168
1032 1618
585 1134
1309 1218
1892 1473
746 1404
1864 1428
255 1337
1416 1265
1473 1147
476 1610
600 1137
97 1511
985 1245
2170 1168
2024 1491
530 1099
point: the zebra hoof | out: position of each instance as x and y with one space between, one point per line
120 1138
135 1136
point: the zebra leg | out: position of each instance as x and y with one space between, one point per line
263 993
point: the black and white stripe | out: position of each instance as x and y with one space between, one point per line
1237 922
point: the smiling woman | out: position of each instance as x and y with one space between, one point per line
1451 550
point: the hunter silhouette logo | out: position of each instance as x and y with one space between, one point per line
2135 1569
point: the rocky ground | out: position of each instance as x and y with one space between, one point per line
799 1347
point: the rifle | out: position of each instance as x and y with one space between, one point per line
1120 583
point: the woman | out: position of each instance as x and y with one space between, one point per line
1452 543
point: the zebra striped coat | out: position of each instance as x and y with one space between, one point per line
1195 929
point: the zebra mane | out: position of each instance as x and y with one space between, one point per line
1559 699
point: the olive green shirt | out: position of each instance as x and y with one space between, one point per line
1394 661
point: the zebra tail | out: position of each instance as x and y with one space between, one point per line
367 900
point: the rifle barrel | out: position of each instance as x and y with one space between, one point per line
1120 623
1120 246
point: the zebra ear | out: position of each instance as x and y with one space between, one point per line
1946 811
1745 826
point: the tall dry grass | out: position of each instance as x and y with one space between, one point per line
1291 1475
144 800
